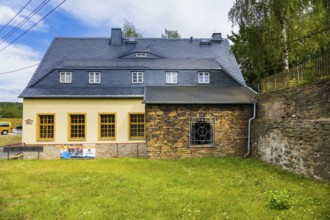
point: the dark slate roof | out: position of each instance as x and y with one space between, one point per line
98 53
198 95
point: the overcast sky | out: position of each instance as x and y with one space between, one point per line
94 18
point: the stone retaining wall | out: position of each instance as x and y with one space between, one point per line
292 129
167 130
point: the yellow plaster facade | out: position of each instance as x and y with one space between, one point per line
90 107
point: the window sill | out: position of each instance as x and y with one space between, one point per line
140 139
45 140
78 139
202 146
107 139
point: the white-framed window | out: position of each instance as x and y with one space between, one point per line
94 77
65 77
171 77
137 77
140 54
203 77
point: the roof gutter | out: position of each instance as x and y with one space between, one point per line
198 102
249 127
80 97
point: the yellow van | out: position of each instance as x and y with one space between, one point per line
5 127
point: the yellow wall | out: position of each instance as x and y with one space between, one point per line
91 107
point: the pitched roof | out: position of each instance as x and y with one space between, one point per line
98 53
198 95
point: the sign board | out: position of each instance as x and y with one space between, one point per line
28 121
23 149
77 151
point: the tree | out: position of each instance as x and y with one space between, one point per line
11 110
129 30
171 34
274 33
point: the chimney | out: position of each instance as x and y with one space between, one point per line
116 36
216 37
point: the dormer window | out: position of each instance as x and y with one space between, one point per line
94 77
65 77
140 55
171 77
137 77
204 77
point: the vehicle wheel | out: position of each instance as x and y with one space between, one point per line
4 132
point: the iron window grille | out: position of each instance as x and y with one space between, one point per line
201 132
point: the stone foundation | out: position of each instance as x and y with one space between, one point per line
167 130
103 151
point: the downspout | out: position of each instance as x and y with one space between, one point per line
249 127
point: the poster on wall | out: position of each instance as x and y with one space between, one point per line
77 151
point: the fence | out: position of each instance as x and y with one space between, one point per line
314 69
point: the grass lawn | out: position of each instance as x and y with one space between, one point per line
215 188
10 139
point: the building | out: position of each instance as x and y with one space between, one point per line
163 98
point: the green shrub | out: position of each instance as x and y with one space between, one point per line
278 200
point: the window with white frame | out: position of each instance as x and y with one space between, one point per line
65 77
203 77
137 77
171 77
140 54
94 77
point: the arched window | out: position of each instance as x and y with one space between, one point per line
202 132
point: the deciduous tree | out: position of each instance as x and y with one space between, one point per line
129 30
276 33
171 34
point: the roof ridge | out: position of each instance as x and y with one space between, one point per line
138 38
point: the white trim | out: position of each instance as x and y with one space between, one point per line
140 54
65 77
94 77
137 77
203 77
171 77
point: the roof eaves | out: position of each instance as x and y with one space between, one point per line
201 102
83 96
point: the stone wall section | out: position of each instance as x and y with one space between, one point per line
292 129
167 130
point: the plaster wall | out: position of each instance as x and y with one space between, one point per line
91 107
